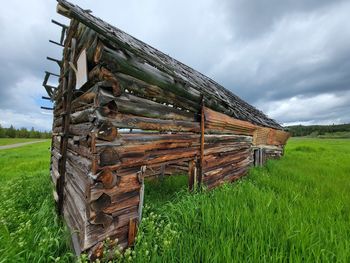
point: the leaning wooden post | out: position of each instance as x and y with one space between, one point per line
141 177
133 222
132 231
191 174
67 103
201 164
162 172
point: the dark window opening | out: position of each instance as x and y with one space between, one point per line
164 183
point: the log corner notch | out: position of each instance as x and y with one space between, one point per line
137 113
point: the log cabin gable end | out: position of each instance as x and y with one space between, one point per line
124 112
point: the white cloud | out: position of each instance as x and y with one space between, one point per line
321 109
270 54
40 121
22 107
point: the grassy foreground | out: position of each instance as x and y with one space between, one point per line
29 229
295 209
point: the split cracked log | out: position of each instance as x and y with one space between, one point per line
101 203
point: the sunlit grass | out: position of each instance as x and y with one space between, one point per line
295 209
29 228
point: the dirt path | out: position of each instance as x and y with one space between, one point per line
15 145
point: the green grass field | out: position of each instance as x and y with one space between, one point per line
339 135
7 141
293 210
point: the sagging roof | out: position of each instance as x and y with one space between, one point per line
229 103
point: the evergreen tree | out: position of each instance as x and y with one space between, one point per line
2 132
23 133
11 132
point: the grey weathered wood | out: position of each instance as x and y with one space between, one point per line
185 77
66 122
140 114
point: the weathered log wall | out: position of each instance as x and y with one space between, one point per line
226 158
104 162
269 136
263 153
136 118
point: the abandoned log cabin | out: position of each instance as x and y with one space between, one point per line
124 111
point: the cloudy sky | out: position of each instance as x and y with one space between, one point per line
289 58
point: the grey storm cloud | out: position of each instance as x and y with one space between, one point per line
290 59
251 18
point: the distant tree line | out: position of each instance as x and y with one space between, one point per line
301 130
22 133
